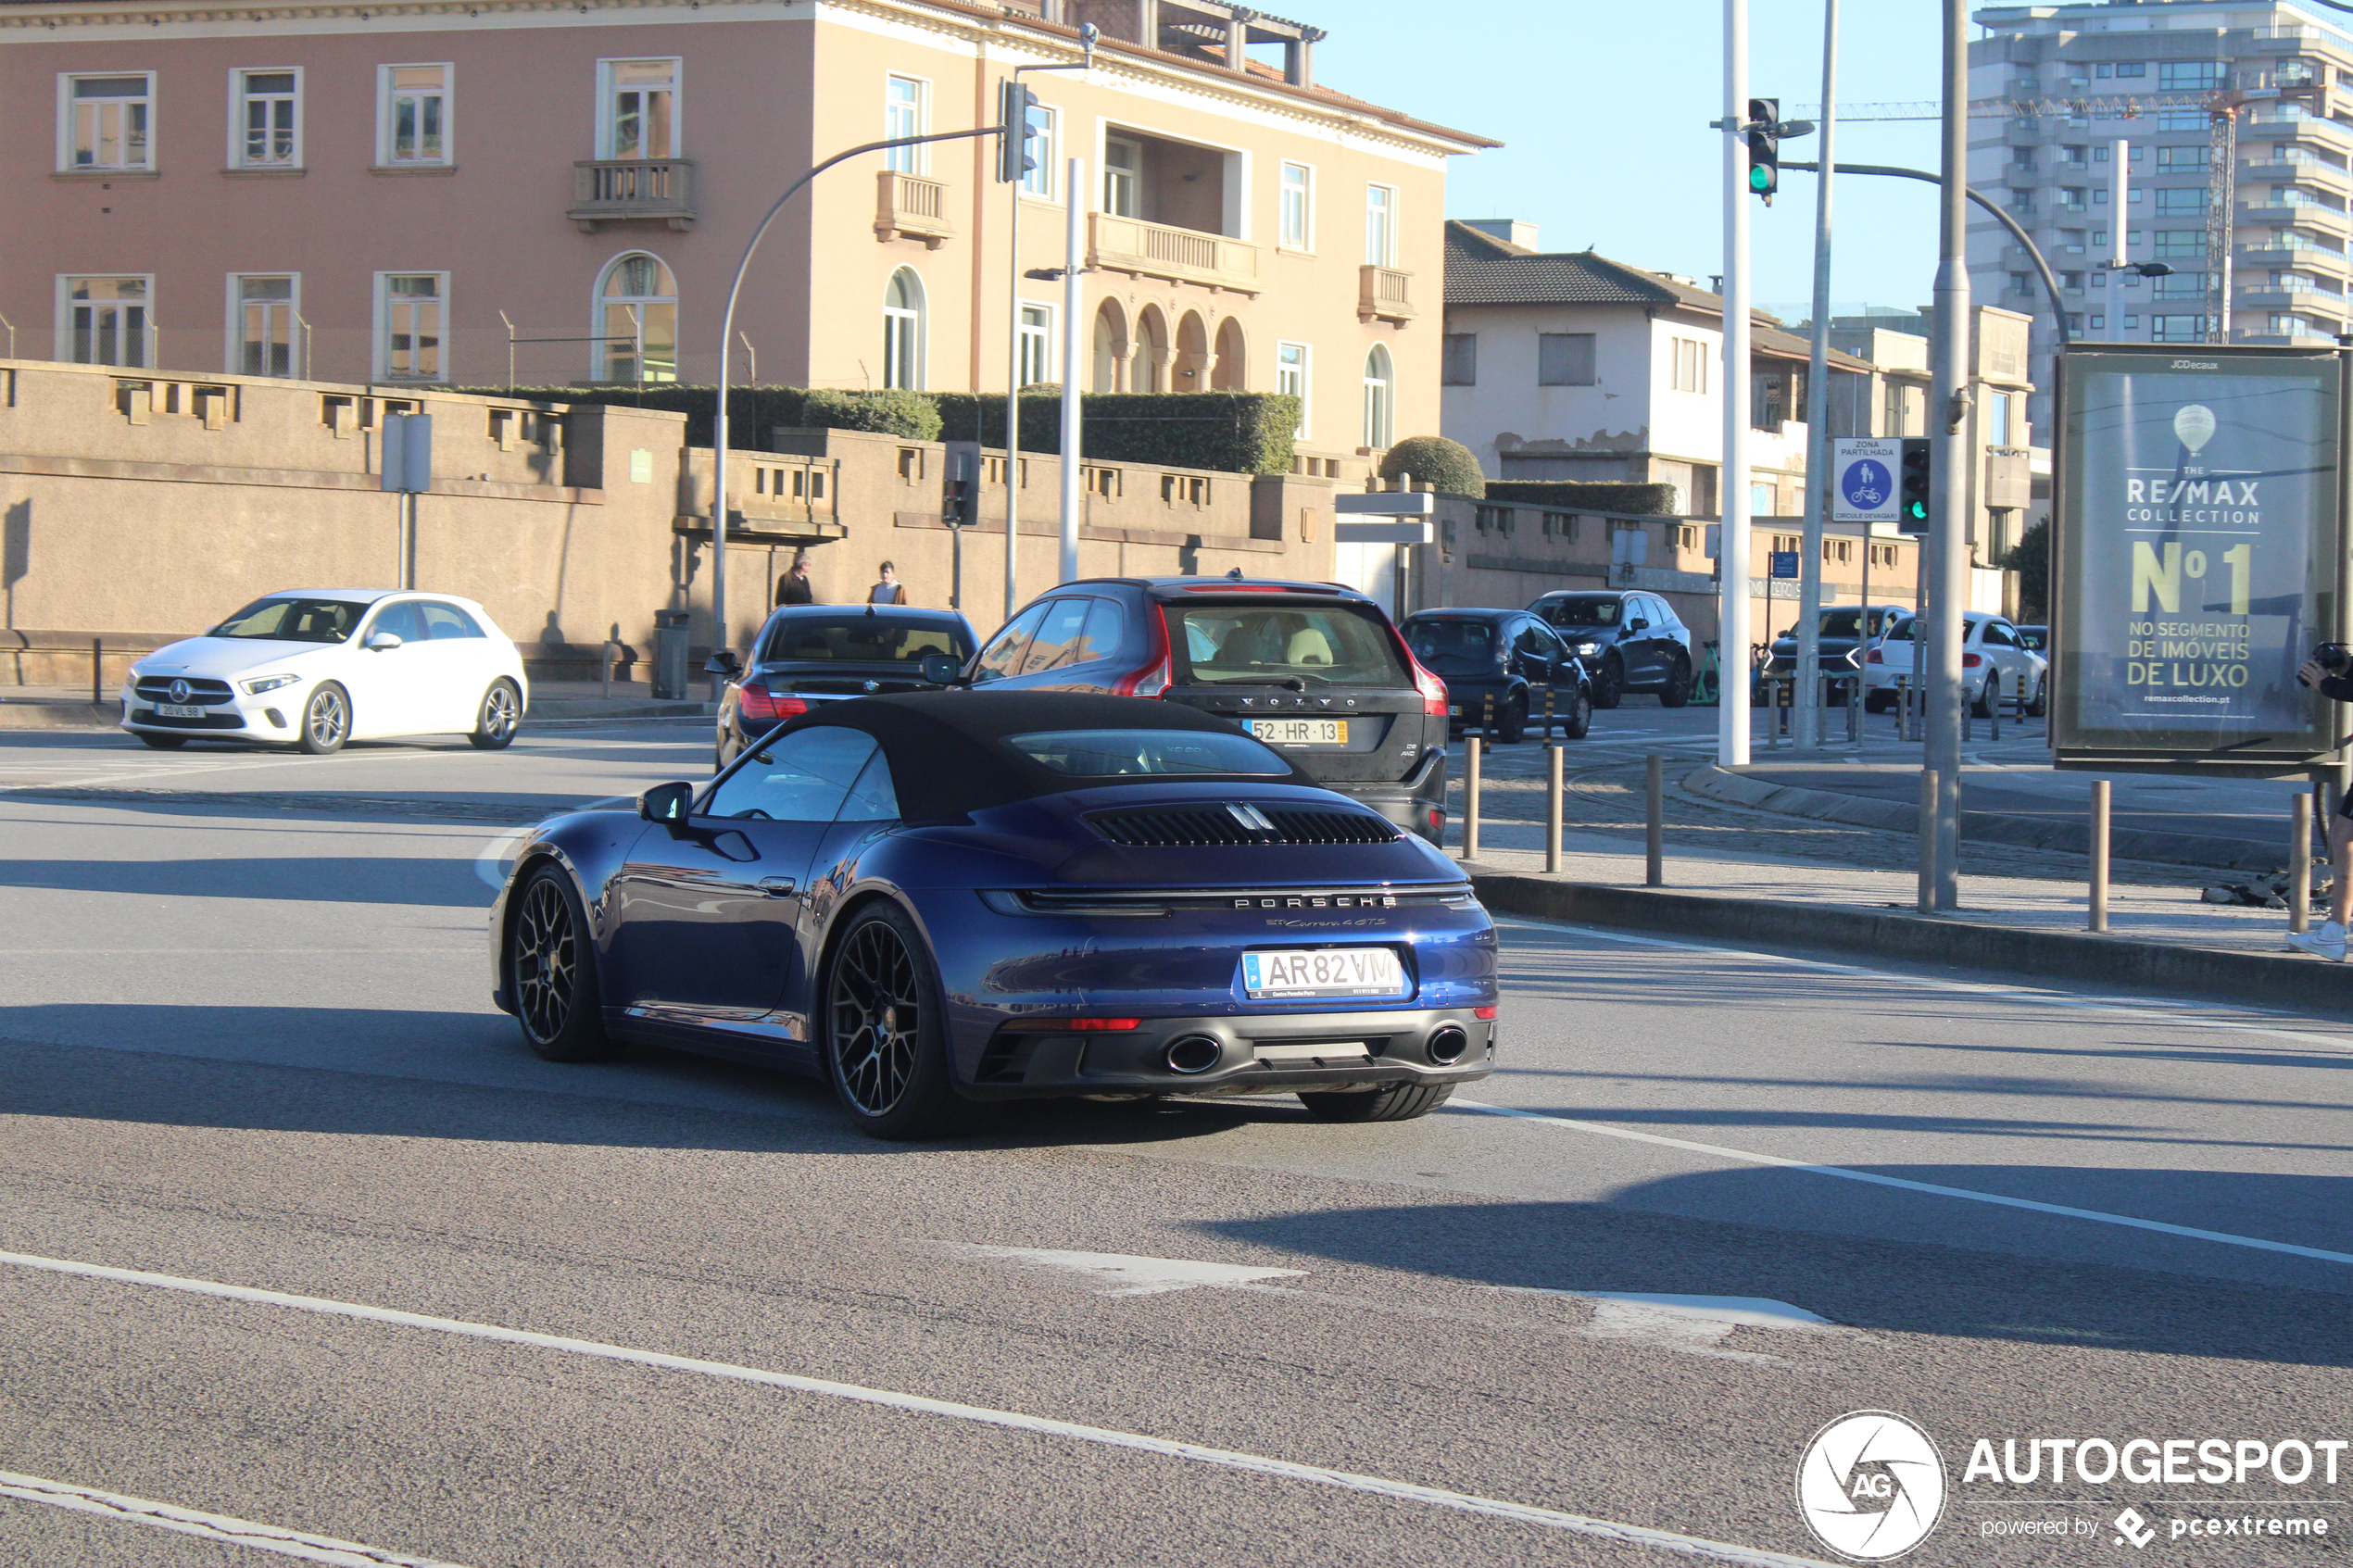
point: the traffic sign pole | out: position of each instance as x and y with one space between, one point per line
1819 475
1949 526
1731 556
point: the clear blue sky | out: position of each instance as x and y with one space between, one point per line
1602 108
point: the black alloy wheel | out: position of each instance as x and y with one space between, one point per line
326 720
496 720
2042 703
886 1032
1610 684
1391 1102
1579 721
1981 706
1677 690
550 973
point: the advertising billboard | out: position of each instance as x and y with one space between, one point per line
2196 557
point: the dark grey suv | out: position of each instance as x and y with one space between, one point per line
1631 641
1315 671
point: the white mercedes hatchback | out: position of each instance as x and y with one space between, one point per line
317 668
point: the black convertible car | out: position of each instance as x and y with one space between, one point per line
936 899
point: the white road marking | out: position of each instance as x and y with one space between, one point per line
1116 1273
1732 1311
207 1527
1227 1458
1995 990
1748 1157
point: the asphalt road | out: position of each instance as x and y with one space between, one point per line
300 1238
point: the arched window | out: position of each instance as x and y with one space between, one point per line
903 331
1380 399
637 321
1232 373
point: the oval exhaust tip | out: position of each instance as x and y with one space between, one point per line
1193 1054
1448 1044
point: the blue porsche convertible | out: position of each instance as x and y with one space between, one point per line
938 899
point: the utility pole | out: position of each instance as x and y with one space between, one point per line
1731 552
1074 345
1818 404
1949 483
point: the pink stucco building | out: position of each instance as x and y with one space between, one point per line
344 190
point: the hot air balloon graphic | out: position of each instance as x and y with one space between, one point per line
2195 425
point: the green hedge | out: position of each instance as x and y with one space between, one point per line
1447 467
1227 431
1588 496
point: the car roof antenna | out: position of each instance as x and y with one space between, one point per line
1235 575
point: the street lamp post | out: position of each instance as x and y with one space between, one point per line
722 660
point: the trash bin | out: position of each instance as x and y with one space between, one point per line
670 656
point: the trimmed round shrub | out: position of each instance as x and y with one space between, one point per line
892 411
1445 466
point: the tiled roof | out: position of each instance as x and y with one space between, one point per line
1482 269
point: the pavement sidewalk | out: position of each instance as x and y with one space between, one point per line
70 708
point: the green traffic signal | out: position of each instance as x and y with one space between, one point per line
1760 180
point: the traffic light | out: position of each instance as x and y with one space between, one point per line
1763 147
960 487
1912 515
1015 149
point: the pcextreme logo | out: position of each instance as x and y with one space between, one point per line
1871 1485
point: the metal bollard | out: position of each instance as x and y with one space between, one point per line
97 670
1927 828
1654 822
2099 855
1472 747
611 654
1902 713
1487 724
1552 807
2299 861
1548 712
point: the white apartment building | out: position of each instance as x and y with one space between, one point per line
2053 88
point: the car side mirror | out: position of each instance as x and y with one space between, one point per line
384 641
943 669
667 804
1638 624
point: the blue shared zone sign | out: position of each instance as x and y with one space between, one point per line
1867 484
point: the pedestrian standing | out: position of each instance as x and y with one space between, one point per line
794 587
2330 673
889 590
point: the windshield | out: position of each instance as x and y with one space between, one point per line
2033 638
857 639
1101 754
1262 645
1901 630
293 620
1582 611
1848 623
1449 644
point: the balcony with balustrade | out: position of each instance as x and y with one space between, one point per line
1384 293
633 191
911 207
1183 256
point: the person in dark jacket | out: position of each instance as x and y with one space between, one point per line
793 587
2334 681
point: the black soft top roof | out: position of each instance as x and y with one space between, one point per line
945 751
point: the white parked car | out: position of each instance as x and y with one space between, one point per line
1995 665
319 667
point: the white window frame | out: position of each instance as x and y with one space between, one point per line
1304 373
1699 355
918 328
64 348
380 332
232 359
907 160
386 94
65 100
1045 180
1380 241
1306 243
1380 401
1131 176
606 119
239 97
1040 342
